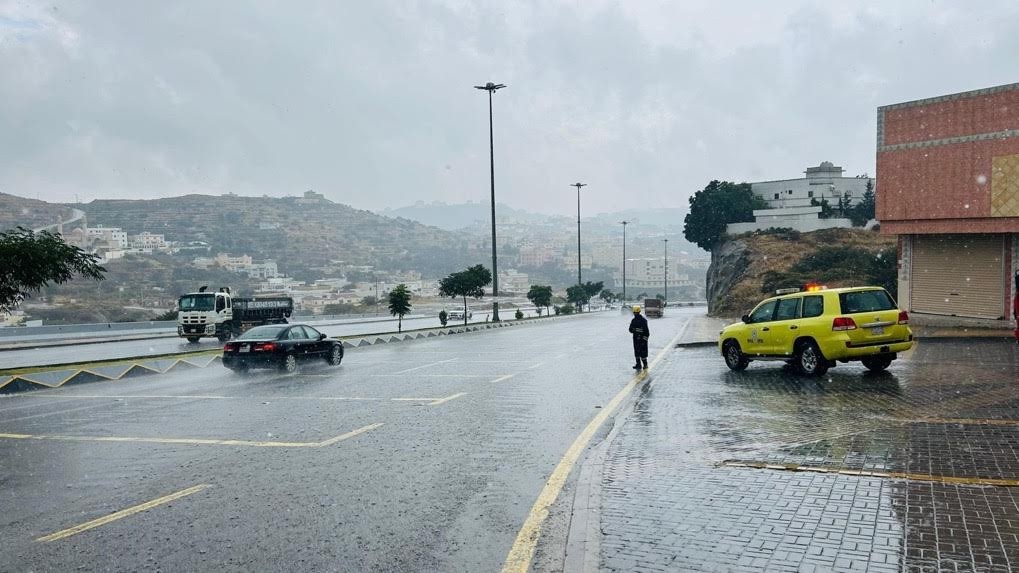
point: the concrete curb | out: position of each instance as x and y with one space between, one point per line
57 375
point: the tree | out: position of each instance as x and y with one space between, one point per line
864 211
399 304
369 301
826 209
714 207
577 296
31 261
540 296
467 283
607 295
592 290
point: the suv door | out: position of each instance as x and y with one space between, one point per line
785 326
758 329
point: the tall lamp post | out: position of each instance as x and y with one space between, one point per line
578 186
624 224
492 88
666 302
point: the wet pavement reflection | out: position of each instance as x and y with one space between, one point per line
913 469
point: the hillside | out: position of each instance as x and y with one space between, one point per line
30 213
748 268
299 233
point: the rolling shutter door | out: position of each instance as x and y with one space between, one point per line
958 275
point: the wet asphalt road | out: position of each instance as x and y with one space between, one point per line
114 349
455 437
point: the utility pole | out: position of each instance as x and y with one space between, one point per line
492 88
666 302
578 186
624 223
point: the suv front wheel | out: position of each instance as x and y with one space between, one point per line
734 357
810 360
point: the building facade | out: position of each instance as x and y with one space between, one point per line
822 182
648 275
948 169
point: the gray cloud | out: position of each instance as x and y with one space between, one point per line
371 102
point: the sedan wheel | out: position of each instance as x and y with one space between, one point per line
289 364
335 355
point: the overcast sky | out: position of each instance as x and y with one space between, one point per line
371 103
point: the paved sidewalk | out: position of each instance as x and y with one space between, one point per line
761 470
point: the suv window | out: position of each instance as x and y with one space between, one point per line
865 301
813 306
788 309
763 313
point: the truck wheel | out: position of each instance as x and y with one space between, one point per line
193 339
877 363
223 335
289 364
810 360
335 355
734 357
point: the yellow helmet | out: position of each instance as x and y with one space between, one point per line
636 309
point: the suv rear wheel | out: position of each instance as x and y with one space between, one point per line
734 357
877 363
810 360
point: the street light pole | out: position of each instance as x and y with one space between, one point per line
666 302
578 186
624 223
492 88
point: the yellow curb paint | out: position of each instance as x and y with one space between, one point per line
960 480
522 551
192 441
447 399
121 514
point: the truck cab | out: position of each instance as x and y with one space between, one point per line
205 314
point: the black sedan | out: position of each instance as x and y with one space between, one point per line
282 346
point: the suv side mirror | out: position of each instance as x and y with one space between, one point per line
745 318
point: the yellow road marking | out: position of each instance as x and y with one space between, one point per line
522 552
503 378
533 366
425 366
447 399
192 441
348 435
121 514
961 480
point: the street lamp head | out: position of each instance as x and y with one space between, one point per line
578 185
490 87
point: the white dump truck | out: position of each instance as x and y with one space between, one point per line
218 314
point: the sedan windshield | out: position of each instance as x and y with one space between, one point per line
263 332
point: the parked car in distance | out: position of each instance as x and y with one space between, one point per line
458 315
812 330
281 346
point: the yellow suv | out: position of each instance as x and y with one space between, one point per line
812 330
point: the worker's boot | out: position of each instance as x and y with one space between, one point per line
645 363
637 365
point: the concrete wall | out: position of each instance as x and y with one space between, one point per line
801 225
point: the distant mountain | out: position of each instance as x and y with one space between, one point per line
461 215
30 213
300 233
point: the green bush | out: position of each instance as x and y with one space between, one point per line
443 317
566 309
519 314
830 264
